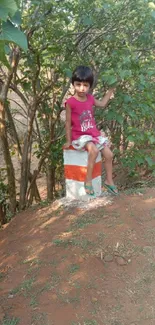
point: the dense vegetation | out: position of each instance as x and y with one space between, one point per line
40 43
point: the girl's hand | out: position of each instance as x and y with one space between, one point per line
105 136
67 145
112 92
113 89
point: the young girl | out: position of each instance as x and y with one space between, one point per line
81 130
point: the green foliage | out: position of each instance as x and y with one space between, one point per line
10 321
74 268
3 192
11 34
7 8
10 20
134 158
87 322
116 38
4 196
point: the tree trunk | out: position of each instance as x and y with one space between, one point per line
13 129
3 131
36 195
24 175
50 174
10 173
2 117
7 157
3 219
25 163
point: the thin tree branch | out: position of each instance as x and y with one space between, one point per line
39 97
20 122
12 100
19 93
43 157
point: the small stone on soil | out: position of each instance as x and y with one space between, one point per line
108 258
120 260
10 296
94 299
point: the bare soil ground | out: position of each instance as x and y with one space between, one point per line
80 265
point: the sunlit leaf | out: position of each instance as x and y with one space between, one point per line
7 7
12 34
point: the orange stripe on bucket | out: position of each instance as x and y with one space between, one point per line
69 148
72 148
78 173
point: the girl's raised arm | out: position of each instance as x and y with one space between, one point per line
104 101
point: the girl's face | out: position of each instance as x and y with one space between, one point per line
81 88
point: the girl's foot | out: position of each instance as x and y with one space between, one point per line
111 189
88 188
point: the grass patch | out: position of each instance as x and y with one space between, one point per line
2 276
91 285
152 266
33 301
55 279
24 288
74 300
101 236
61 242
33 262
10 321
147 280
53 262
73 268
59 210
116 322
44 203
64 297
83 222
33 270
75 284
86 322
83 243
143 285
40 319
152 213
46 287
150 233
135 190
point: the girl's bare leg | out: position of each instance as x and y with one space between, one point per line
92 155
108 155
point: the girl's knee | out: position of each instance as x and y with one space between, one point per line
107 153
92 149
95 151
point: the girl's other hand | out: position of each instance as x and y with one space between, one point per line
103 134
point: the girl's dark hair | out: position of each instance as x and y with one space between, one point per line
83 74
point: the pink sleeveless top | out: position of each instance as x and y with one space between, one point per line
82 117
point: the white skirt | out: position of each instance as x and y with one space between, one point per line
101 142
